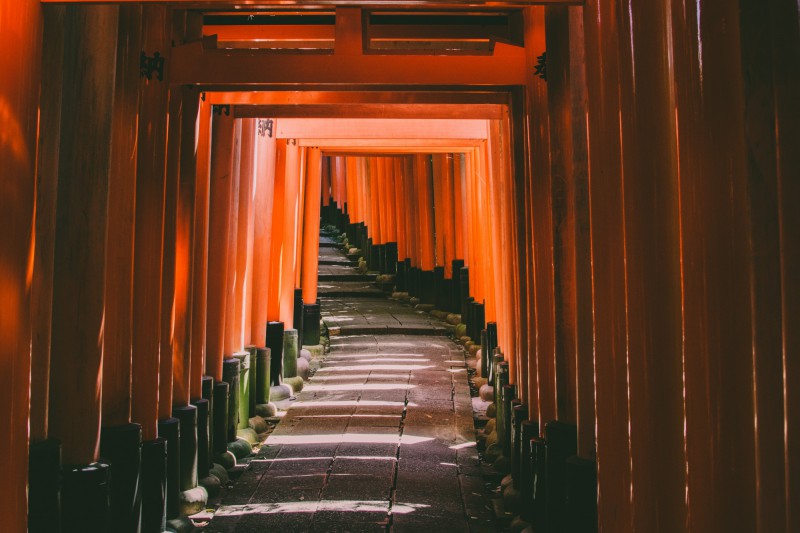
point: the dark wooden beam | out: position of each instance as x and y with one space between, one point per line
451 111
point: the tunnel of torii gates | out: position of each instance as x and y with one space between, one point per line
628 224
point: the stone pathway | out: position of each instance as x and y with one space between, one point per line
380 439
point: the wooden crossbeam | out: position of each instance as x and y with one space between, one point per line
192 64
372 111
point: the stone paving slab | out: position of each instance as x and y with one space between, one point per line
380 439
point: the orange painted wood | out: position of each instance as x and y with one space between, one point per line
244 236
232 281
459 206
424 193
326 187
503 251
118 342
80 250
783 41
19 87
41 291
438 162
577 183
373 194
373 110
310 265
769 131
400 207
560 109
222 131
149 229
448 217
487 241
290 227
184 251
194 64
608 267
200 252
168 295
262 231
298 243
278 225
351 185
391 205
717 321
381 199
649 184
412 227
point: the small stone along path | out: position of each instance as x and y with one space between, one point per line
380 439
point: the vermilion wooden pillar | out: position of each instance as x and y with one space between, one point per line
783 38
298 242
199 257
770 60
232 283
46 195
448 218
244 234
310 249
121 209
412 228
185 251
78 295
607 223
222 130
290 223
717 322
262 230
459 206
19 88
149 228
542 225
278 224
175 119
649 184
399 206
424 203
438 167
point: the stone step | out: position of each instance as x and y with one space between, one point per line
347 277
338 262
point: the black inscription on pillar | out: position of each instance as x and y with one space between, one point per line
540 69
219 109
265 127
150 65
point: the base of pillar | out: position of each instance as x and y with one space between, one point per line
262 375
311 319
169 429
203 437
84 498
275 344
219 429
230 375
44 486
581 509
154 484
122 447
187 418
